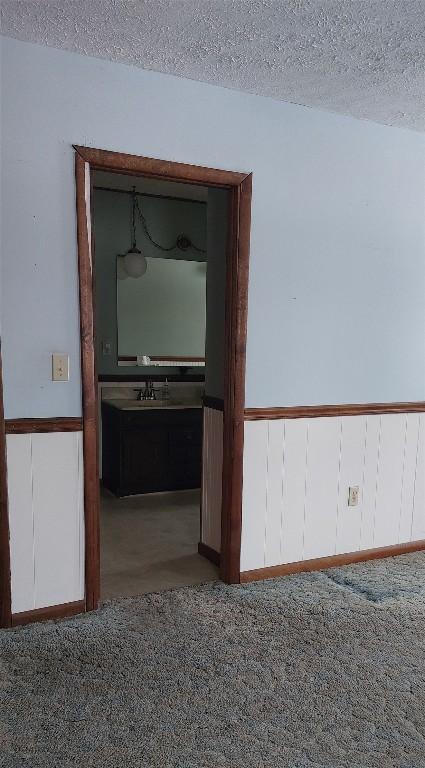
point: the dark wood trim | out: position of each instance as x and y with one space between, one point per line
211 554
57 424
334 561
316 411
89 390
120 162
201 495
176 377
216 403
236 303
51 612
240 185
5 589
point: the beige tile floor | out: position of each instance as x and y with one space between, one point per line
149 543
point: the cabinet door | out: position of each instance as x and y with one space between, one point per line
185 456
111 439
144 459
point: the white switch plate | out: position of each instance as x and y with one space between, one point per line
353 496
60 367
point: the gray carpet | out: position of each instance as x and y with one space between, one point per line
322 669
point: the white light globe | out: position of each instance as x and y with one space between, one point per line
121 270
135 263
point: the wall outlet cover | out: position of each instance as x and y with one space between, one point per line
353 495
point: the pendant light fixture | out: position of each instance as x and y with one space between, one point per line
135 263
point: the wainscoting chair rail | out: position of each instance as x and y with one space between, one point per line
55 424
317 411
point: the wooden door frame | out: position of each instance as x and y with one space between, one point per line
236 303
5 586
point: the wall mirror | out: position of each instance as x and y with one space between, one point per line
161 314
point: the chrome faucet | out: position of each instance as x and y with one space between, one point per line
148 393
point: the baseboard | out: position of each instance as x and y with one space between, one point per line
334 561
54 424
209 553
51 612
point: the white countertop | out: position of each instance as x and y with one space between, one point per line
148 405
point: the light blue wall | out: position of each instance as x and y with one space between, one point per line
337 276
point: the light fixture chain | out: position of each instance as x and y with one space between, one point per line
151 239
133 220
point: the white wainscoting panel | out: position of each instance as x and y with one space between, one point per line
418 519
212 469
350 472
413 474
21 521
369 480
321 495
297 473
45 484
255 488
293 491
389 481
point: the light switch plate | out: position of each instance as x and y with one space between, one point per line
60 367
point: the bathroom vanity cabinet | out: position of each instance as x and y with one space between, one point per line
151 449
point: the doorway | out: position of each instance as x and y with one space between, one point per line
238 187
159 254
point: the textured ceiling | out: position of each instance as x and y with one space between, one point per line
364 58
